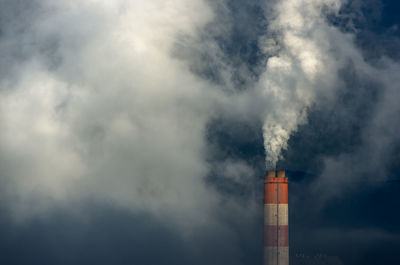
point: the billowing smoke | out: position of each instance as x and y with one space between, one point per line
94 105
310 55
100 101
303 68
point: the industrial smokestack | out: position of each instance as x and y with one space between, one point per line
276 219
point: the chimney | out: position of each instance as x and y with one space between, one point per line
276 225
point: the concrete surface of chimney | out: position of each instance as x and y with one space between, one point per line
276 219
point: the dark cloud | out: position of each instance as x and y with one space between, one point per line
104 234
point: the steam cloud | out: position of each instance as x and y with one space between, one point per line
93 104
309 52
303 68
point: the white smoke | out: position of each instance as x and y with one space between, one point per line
304 67
304 72
98 107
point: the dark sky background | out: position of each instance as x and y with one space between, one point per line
344 193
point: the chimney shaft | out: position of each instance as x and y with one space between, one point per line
276 225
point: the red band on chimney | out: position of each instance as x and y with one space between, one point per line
275 190
276 236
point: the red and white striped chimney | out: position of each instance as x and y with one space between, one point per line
276 217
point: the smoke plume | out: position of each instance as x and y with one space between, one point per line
310 54
302 69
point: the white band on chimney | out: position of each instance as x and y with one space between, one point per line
276 214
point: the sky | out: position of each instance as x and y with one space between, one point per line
139 132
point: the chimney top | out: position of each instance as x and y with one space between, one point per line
280 173
276 173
